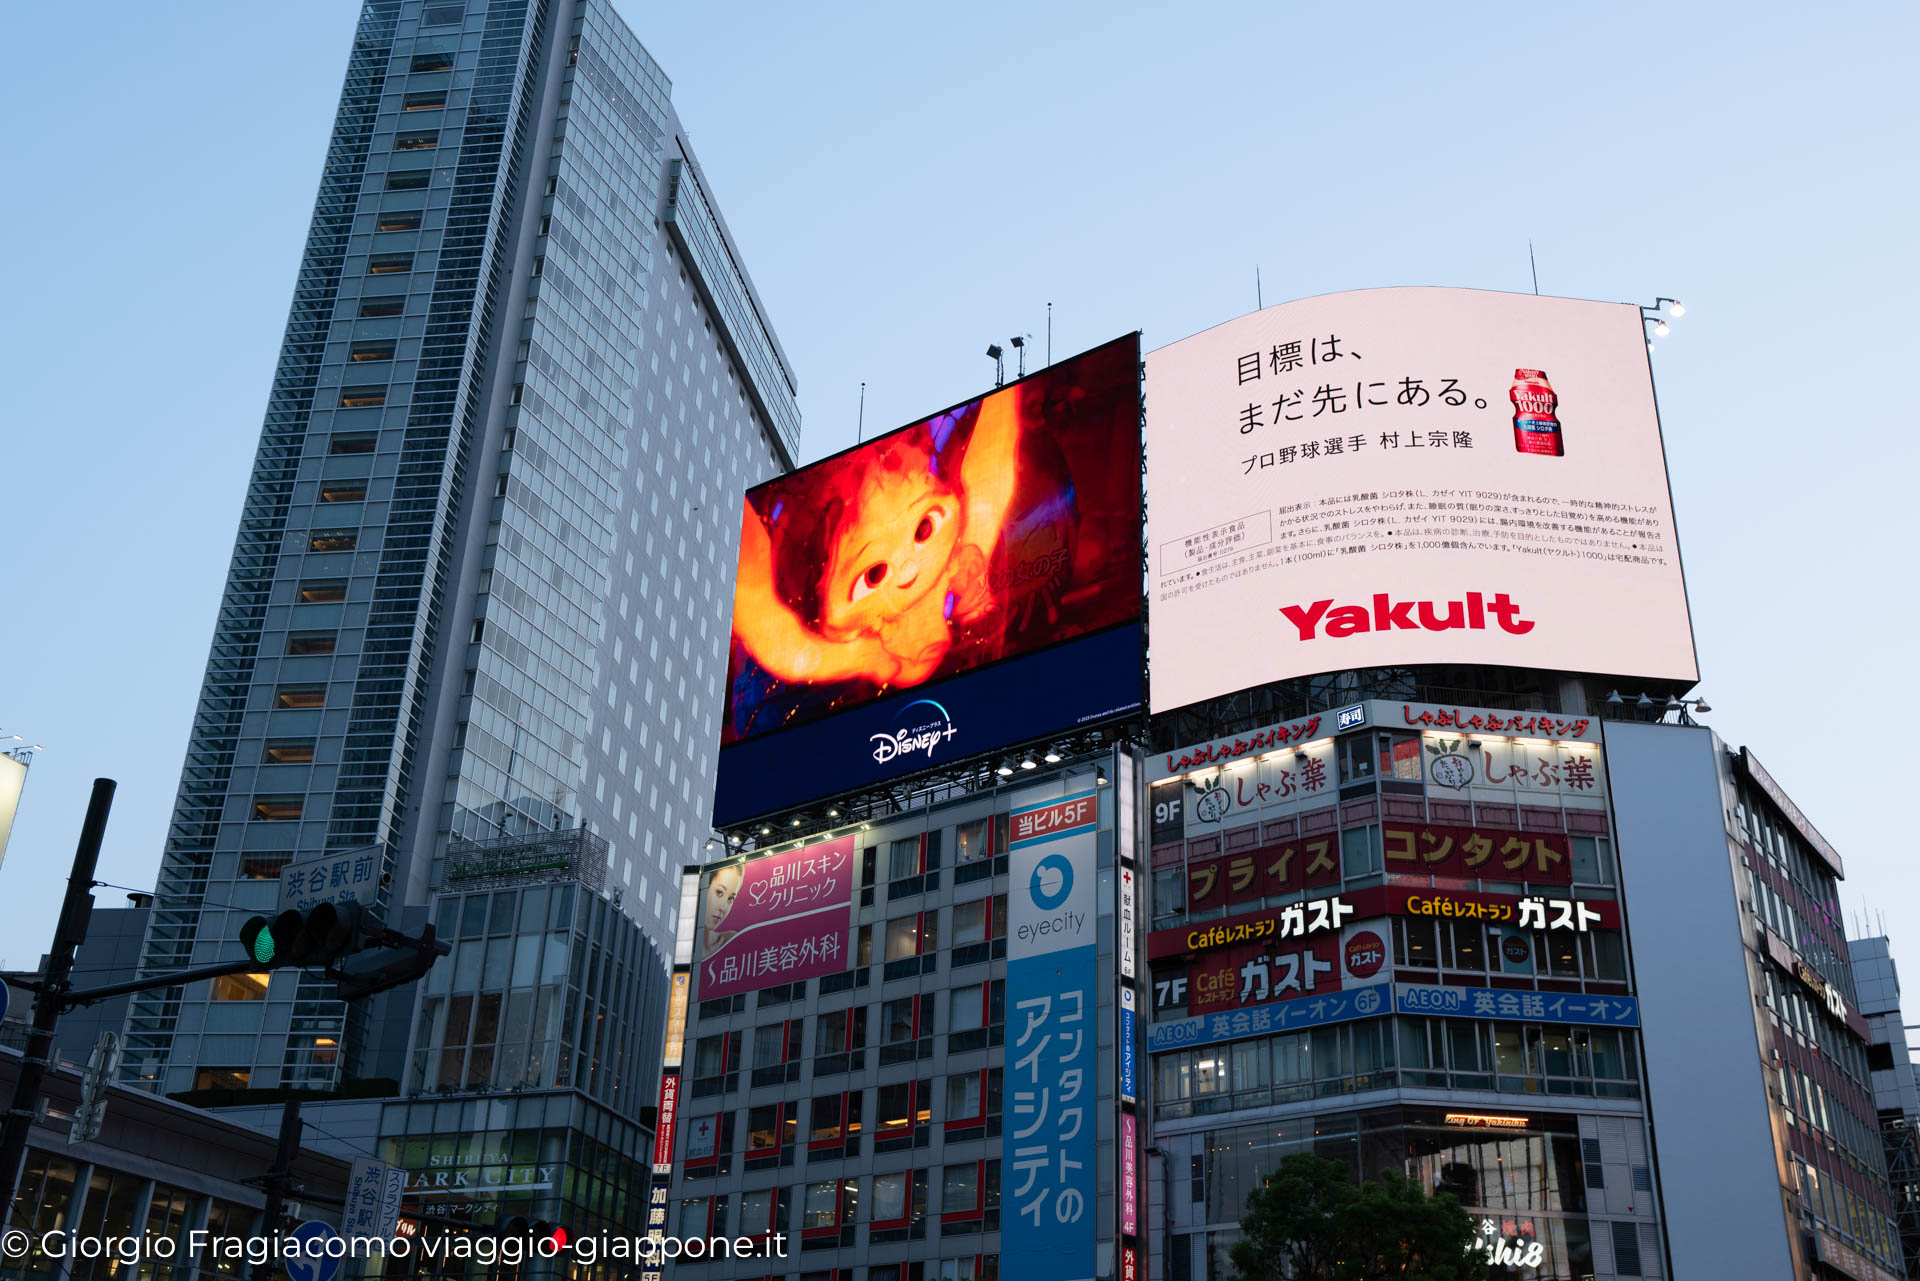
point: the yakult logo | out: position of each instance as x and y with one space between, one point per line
1410 615
923 737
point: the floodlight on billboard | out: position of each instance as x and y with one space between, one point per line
1400 476
964 583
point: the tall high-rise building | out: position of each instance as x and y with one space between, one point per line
480 589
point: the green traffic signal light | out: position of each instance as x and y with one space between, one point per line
256 936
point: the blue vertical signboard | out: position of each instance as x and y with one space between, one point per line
1048 1185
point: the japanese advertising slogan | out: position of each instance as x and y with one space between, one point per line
1395 476
1047 1220
776 919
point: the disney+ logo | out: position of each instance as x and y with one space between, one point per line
922 737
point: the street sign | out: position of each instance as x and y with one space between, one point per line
312 1263
87 1117
366 1196
352 876
390 1202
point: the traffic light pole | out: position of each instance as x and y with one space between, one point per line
278 1179
49 1000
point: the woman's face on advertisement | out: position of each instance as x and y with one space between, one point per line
720 894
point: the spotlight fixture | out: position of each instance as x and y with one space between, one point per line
1614 699
765 830
833 812
1700 705
1100 776
709 843
793 822
1661 329
1052 757
1643 701
1003 769
1027 762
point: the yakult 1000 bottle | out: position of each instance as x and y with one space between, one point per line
1536 429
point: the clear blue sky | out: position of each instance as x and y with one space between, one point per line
911 182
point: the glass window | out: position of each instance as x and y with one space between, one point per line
1464 1046
903 858
821 1208
1169 891
416 140
960 1187
896 1017
1356 758
323 592
763 1127
408 179
770 1045
709 1055
963 1096
431 100
1360 852
693 1216
1400 756
1508 1056
969 922
333 540
970 842
756 1212
1416 942
392 264
890 1197
221 1078
278 809
894 1105
352 442
286 751
385 305
343 492
397 220
305 643
300 695
1469 946
903 937
826 1119
966 1011
371 353
240 987
431 61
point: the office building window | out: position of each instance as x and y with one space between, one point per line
408 179
300 695
431 100
417 140
343 492
431 62
397 220
240 987
384 305
368 353
389 264
362 397
283 751
333 540
323 592
308 643
278 809
221 1078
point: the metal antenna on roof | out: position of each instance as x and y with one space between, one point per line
860 431
1534 267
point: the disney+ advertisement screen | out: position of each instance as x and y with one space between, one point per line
966 582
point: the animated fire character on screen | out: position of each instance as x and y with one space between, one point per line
953 543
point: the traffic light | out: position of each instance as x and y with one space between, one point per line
422 953
314 938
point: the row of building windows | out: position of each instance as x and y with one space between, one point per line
898 1204
966 1104
1458 1054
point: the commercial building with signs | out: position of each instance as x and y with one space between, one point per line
934 1077
475 602
1418 902
157 1169
1896 1083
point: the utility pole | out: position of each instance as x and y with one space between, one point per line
279 1179
49 999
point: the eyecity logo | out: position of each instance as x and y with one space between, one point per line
1388 614
1052 882
923 737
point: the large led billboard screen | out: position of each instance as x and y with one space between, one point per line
1400 476
964 583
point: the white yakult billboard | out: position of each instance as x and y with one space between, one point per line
1417 475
